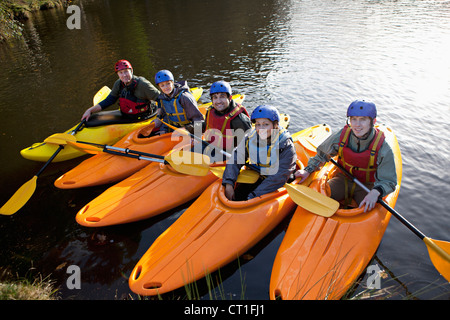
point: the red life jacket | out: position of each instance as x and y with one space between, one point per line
362 165
217 125
128 102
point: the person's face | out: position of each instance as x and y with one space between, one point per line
166 86
264 128
125 75
220 101
361 125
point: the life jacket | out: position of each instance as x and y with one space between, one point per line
362 165
176 115
218 127
263 156
128 102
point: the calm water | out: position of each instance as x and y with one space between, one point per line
309 58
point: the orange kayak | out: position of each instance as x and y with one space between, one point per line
107 168
214 231
320 258
152 190
129 200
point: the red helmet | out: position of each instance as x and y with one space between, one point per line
122 64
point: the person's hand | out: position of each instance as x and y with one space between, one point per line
370 200
86 115
189 128
303 174
89 112
229 191
157 122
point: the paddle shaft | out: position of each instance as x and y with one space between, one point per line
136 156
382 202
121 151
26 191
226 154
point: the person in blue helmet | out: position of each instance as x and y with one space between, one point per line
176 104
226 121
269 149
363 151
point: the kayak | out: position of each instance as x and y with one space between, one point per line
152 190
212 232
128 200
321 258
106 127
107 168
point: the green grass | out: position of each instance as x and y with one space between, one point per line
16 288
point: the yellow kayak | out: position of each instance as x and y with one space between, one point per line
108 168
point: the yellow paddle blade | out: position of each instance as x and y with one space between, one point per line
60 138
191 163
85 147
66 138
245 176
439 255
312 200
101 95
19 198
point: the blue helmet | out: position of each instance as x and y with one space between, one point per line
220 86
360 108
265 111
163 75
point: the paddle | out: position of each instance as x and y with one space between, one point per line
182 161
101 95
24 193
303 196
184 131
437 249
245 176
190 167
312 200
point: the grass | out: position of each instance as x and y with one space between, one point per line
210 286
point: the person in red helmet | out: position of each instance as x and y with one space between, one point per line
136 95
362 150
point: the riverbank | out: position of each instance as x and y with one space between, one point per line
14 12
31 287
